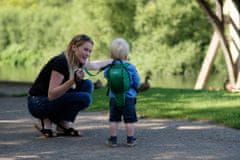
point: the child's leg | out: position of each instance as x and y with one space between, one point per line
114 117
130 117
130 128
113 128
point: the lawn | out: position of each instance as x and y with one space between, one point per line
215 106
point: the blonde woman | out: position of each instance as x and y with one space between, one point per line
60 90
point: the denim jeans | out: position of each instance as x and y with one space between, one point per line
64 108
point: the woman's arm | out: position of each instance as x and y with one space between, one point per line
96 65
56 89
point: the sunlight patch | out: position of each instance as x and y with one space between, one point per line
195 127
157 128
28 156
14 121
11 143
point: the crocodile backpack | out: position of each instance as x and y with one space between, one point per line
118 80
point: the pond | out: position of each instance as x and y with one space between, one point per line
29 74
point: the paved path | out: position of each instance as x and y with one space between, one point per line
157 139
13 88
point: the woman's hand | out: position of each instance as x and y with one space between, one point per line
78 74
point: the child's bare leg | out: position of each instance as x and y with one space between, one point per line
130 129
131 140
113 128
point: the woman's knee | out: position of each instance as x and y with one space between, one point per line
83 100
85 86
87 99
88 85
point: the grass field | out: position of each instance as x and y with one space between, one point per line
215 106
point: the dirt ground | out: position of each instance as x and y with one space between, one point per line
157 139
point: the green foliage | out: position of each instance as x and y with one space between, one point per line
55 3
27 34
171 32
19 3
167 37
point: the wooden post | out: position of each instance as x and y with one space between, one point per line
218 27
234 43
211 54
208 62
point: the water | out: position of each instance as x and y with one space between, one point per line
29 74
214 81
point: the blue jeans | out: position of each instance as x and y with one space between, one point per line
64 108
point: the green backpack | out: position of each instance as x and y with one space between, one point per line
118 80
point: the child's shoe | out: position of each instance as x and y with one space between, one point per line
131 141
112 141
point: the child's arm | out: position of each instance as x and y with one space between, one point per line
135 78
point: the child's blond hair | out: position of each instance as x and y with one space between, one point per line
119 49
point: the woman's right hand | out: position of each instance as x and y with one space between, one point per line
78 74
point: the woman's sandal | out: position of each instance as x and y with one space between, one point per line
47 133
68 132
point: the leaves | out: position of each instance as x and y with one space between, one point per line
168 36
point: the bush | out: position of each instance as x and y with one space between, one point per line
168 37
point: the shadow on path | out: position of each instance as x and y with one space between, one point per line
157 139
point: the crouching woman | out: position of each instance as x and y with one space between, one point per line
60 90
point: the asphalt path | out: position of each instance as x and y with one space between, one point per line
157 139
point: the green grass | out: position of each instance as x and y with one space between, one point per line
215 106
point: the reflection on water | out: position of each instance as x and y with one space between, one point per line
173 81
29 74
214 81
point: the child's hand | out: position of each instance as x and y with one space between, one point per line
78 74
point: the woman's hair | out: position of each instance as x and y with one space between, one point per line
119 48
77 41
73 62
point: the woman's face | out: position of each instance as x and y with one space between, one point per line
83 52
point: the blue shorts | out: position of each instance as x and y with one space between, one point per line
128 111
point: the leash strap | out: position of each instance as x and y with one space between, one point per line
92 74
89 73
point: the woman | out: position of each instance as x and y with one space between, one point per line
60 92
